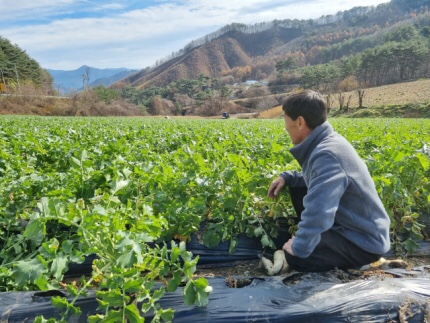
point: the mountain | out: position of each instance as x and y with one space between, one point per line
68 81
252 51
109 80
233 49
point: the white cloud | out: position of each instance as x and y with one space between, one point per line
27 9
111 6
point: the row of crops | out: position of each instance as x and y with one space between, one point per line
133 192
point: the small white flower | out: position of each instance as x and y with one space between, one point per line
209 289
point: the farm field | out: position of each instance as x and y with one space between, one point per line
121 187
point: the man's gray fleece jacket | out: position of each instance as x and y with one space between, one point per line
341 194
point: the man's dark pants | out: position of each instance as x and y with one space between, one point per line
333 251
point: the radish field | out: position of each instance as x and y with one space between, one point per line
133 192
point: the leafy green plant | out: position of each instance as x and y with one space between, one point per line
123 189
126 267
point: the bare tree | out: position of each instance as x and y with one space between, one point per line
348 101
86 77
360 93
329 99
346 85
341 99
87 73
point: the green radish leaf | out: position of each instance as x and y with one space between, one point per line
29 271
35 231
133 315
189 293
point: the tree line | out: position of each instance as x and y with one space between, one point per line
204 96
17 66
403 54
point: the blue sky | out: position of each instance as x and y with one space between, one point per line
66 34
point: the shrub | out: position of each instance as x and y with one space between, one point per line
372 113
106 95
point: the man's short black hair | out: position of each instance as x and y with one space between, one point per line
308 104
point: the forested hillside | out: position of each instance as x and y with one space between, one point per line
18 68
403 54
349 51
378 45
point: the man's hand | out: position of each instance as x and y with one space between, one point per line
288 246
275 187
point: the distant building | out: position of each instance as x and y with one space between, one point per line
251 82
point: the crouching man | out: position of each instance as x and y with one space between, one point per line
343 222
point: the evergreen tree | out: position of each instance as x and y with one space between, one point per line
14 60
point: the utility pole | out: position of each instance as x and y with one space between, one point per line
17 79
2 77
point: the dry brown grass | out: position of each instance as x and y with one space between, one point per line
81 104
393 94
272 113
